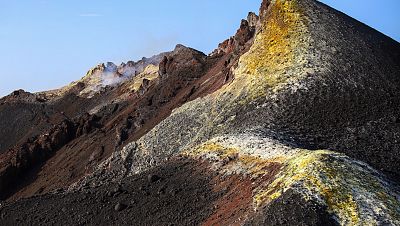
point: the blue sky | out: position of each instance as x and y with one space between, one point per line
45 44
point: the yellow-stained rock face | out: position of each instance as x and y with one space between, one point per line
352 191
278 52
346 186
94 81
273 47
149 73
279 55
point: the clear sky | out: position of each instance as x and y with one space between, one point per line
45 44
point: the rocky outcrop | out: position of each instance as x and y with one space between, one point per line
103 76
253 19
240 42
127 112
264 9
20 96
183 62
27 157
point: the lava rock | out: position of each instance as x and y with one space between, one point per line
120 207
153 178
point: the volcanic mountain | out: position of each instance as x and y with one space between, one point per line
294 120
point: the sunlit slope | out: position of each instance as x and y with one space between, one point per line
313 77
313 108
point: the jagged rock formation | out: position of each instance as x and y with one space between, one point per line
106 75
125 112
292 121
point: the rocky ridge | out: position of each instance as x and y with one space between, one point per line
106 75
124 113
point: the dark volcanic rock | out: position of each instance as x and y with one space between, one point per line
183 62
292 209
120 207
124 120
182 208
244 34
252 19
240 42
153 178
35 151
264 9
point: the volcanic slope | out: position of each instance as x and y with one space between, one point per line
52 139
304 130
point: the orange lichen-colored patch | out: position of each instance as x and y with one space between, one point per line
258 167
236 205
215 148
232 208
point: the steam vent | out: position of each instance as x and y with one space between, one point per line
294 120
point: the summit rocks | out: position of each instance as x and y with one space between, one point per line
183 61
239 43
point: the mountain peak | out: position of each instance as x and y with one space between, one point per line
110 67
179 47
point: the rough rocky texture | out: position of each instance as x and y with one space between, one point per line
184 188
293 209
106 75
293 120
125 112
293 82
31 115
26 158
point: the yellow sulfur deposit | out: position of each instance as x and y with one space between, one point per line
347 187
149 73
278 46
344 185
